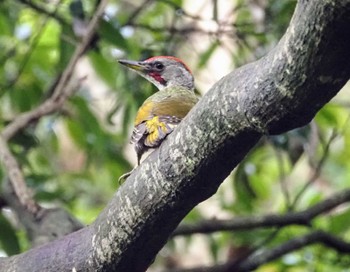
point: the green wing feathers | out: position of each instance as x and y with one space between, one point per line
159 115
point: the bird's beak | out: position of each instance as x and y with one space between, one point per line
135 65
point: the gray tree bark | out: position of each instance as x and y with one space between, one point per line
279 92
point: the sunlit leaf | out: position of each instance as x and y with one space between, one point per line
112 35
203 60
340 222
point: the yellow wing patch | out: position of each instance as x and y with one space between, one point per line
159 115
156 131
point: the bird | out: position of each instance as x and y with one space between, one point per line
164 110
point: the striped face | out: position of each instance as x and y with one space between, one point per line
163 71
157 65
159 58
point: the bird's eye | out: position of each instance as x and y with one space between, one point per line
159 66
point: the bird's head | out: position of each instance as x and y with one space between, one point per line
163 71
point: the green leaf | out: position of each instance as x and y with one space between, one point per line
112 35
207 54
326 117
25 138
8 238
5 27
76 132
340 222
214 247
66 48
106 69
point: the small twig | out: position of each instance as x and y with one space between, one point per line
182 31
253 250
317 171
137 11
85 43
268 255
17 179
49 106
250 222
314 139
183 12
317 237
282 176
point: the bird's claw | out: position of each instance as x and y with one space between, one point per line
123 177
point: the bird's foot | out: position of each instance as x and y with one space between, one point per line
123 177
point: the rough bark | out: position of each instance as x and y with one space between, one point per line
279 92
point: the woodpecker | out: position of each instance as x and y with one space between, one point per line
164 110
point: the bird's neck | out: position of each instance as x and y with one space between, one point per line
174 88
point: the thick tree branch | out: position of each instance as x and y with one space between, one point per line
279 92
245 223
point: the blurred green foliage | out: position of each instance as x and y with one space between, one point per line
73 158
